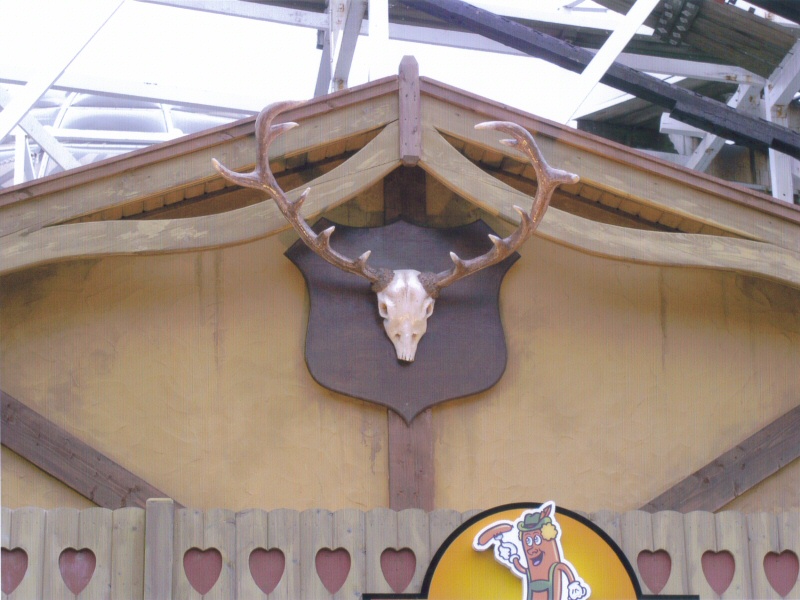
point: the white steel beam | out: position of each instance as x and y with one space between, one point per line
596 19
670 126
252 10
339 44
23 165
118 137
784 82
614 45
63 55
689 68
343 59
782 85
46 141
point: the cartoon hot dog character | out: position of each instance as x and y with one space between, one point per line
534 554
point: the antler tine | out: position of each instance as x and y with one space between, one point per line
262 178
547 180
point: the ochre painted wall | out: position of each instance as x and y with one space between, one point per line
188 370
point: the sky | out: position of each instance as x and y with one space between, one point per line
149 46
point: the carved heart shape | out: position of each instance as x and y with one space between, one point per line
398 568
781 571
654 567
718 567
14 565
333 566
77 568
266 567
202 568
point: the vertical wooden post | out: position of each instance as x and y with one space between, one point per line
410 112
411 462
158 548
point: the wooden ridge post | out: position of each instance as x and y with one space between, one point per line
411 474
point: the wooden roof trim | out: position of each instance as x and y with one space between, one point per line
70 460
106 238
179 170
461 176
611 150
222 134
733 473
668 196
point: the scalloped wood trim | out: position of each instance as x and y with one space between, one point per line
445 163
602 170
106 238
192 167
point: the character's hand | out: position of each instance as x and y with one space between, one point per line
506 552
576 590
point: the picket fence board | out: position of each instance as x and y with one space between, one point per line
127 555
667 529
158 550
789 539
26 530
140 553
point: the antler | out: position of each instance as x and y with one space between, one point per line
547 180
261 178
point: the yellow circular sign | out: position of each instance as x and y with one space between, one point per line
588 561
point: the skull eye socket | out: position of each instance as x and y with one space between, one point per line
397 336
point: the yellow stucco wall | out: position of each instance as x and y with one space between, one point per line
188 370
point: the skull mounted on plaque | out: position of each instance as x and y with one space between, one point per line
364 339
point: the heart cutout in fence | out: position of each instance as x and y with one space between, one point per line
782 571
333 566
77 568
398 568
655 568
14 565
718 567
202 568
266 568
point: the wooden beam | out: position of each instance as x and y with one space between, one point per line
738 470
686 106
411 477
105 238
410 112
71 461
444 162
172 165
620 171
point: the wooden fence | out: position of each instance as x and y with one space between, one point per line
155 552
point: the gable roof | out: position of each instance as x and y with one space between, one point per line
628 206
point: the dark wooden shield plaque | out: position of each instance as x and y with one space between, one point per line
347 350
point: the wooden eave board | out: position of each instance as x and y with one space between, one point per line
622 171
217 195
626 180
629 212
186 162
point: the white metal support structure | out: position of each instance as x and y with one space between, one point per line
746 100
23 165
41 136
35 88
339 44
613 47
781 87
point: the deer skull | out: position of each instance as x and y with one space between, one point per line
405 306
405 297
